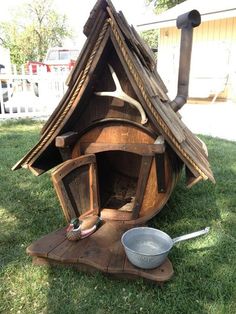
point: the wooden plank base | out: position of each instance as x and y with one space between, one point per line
102 251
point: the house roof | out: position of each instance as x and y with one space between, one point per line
106 24
209 10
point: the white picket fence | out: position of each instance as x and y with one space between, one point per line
30 95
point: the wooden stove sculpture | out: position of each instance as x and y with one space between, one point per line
117 142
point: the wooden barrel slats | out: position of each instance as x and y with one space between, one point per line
132 173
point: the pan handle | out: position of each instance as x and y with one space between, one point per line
191 235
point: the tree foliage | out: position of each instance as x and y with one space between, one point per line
151 37
163 5
35 27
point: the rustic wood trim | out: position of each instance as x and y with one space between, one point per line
72 164
98 8
51 132
140 149
129 75
164 119
90 212
191 180
65 153
118 121
142 183
66 139
68 210
160 170
88 47
151 103
101 251
94 192
114 214
64 142
34 170
119 268
77 70
45 244
62 171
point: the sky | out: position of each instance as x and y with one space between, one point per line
77 11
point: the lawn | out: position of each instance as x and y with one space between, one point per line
205 268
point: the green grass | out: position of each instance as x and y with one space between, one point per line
205 268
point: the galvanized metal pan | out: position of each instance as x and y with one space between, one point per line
148 248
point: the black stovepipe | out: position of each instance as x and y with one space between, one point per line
186 22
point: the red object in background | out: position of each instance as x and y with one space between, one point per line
57 59
32 66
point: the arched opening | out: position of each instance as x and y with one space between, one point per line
118 174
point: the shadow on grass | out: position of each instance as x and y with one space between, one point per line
204 277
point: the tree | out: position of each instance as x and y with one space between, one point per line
151 37
33 29
163 5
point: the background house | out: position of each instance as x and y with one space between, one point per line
213 67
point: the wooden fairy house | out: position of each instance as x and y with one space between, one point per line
116 141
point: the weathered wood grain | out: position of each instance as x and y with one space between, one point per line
142 183
102 251
136 148
75 182
66 139
120 46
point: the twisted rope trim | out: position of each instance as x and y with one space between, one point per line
139 83
80 82
146 98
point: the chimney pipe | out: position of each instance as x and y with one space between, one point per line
186 22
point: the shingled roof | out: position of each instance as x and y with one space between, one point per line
137 60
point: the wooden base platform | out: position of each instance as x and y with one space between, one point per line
101 251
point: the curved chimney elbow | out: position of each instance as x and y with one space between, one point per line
178 102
